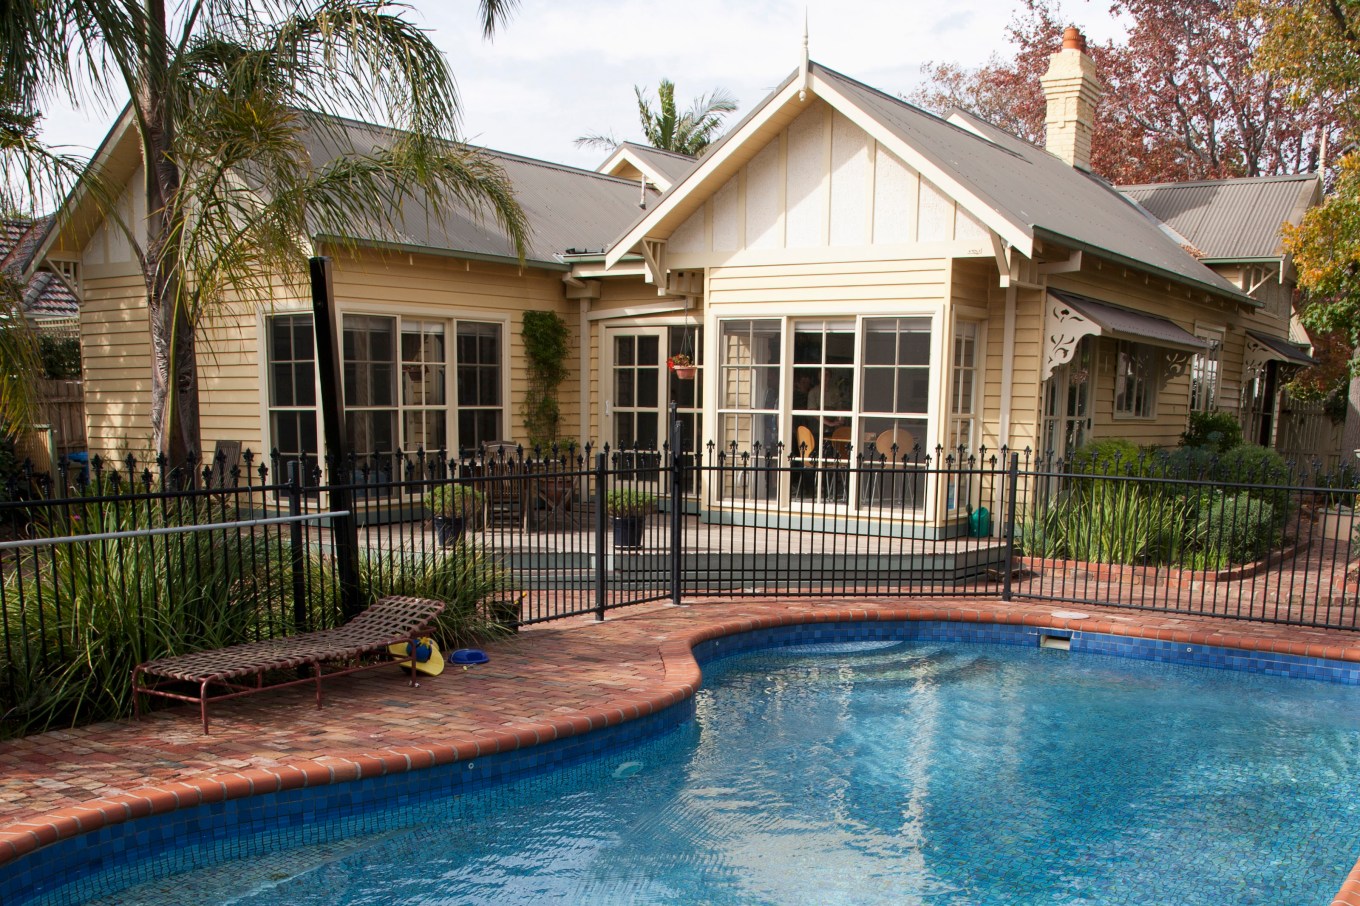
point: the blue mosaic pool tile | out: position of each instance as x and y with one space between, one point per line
94 866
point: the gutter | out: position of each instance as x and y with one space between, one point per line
409 249
1233 295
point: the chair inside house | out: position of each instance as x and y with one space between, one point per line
803 462
505 488
551 496
894 481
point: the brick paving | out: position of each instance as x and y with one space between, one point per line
557 680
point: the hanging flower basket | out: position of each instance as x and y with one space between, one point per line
682 366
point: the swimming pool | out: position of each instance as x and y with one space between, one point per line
927 770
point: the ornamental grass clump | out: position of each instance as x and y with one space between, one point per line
79 616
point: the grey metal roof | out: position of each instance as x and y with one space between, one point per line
1124 324
1230 219
674 167
1027 185
1286 350
566 207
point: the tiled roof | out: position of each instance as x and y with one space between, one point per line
1230 219
46 296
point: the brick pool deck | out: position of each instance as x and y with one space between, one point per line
552 681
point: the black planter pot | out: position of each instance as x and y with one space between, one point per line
505 614
448 529
628 530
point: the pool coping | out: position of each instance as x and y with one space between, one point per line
681 679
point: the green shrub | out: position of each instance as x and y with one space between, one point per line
454 500
466 579
1234 528
1216 431
1108 456
629 502
1263 468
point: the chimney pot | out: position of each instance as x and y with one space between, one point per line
1073 39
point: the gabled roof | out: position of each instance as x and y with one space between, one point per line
566 207
1231 219
46 295
1021 192
662 168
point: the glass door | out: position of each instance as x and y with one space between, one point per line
1067 403
633 404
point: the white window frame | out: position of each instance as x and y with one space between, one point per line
940 351
1199 367
451 320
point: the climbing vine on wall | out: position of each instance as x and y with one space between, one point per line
545 337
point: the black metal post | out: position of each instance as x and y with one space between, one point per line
344 529
297 554
601 492
677 501
1013 485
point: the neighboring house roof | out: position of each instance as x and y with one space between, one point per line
1007 183
1231 219
46 295
566 207
662 168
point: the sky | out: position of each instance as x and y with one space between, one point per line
560 70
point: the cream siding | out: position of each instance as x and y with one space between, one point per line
115 343
823 183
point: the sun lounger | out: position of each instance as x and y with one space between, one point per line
390 620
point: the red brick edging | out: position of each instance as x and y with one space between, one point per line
682 678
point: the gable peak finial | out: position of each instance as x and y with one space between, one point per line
804 70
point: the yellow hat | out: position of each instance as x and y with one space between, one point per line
428 659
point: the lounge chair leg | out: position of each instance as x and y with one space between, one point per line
203 705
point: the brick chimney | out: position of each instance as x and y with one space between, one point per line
1072 91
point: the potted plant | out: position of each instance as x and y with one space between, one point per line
452 507
629 509
683 366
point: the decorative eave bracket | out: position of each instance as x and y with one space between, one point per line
1064 328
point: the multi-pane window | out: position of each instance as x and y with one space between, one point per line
749 357
423 381
1204 368
479 384
963 389
823 387
748 390
292 387
896 386
1135 379
370 366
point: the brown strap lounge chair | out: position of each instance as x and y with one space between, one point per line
388 621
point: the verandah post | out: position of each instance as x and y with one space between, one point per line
1012 491
601 492
677 501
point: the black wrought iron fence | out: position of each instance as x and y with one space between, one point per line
104 568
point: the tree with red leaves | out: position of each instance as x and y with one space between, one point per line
1182 97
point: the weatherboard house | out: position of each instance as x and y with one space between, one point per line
852 274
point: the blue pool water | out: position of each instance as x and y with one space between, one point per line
892 772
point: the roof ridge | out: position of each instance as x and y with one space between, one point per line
654 150
1274 177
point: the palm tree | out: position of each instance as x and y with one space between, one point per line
668 130
229 100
